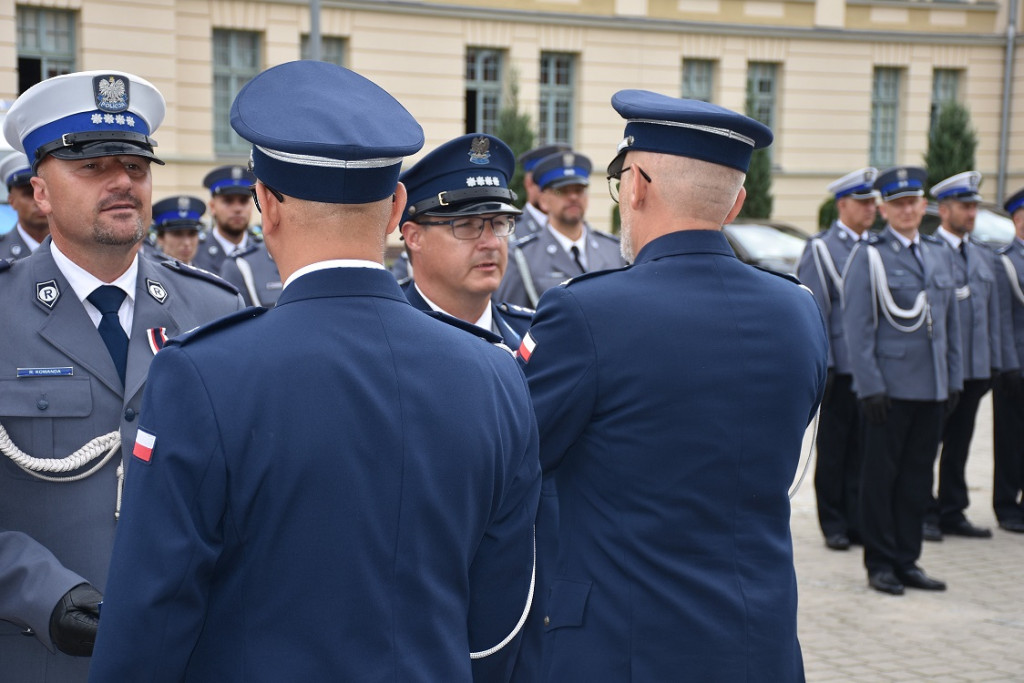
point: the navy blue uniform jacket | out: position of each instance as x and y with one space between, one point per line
672 397
341 489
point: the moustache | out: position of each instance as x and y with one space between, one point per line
126 198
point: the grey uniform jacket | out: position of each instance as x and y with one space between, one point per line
530 221
211 256
59 389
548 264
979 310
923 365
1010 276
815 272
256 278
12 246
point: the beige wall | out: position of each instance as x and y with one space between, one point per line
824 105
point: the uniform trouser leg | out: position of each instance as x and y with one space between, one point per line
896 482
1008 455
837 470
956 444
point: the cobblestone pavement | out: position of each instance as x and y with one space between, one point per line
972 632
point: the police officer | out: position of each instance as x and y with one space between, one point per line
903 335
1007 403
254 273
978 303
340 488
32 226
837 470
177 225
673 536
230 213
567 246
90 316
456 228
534 218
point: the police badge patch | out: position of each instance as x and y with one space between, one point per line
156 290
47 293
183 206
480 151
111 93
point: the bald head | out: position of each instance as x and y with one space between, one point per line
697 189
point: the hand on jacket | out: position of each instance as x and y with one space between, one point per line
75 619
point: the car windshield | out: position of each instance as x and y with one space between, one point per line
764 242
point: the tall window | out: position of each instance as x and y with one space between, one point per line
46 44
885 109
236 59
483 89
945 88
557 93
332 49
698 79
762 91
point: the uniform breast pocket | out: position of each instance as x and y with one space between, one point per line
33 408
943 281
567 602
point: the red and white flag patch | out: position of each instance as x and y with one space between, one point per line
157 337
144 444
526 348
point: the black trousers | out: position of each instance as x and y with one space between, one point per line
956 445
1008 455
837 470
896 483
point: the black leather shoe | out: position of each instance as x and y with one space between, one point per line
931 532
1014 525
916 578
885 582
837 542
966 529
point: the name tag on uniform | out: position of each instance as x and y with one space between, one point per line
45 372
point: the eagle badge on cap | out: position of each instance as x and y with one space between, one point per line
111 94
183 206
479 151
236 172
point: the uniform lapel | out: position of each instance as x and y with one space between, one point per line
150 315
512 339
558 258
68 327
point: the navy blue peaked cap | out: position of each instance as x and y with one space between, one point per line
181 212
562 168
530 157
901 181
466 176
1015 201
687 128
231 179
15 169
323 133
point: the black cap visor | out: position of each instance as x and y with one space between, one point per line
476 209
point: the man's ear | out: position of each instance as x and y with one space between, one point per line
398 201
41 195
737 205
412 233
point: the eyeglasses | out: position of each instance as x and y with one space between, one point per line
471 227
613 181
255 199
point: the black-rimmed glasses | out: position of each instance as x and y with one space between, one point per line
277 195
613 181
471 227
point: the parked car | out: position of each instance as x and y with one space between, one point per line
768 244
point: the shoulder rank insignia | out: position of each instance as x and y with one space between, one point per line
515 310
592 274
526 239
5 264
486 335
784 276
606 235
200 274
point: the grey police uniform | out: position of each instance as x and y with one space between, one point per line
1007 404
12 246
540 262
59 389
532 220
255 275
211 255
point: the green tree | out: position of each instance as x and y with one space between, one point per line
516 130
827 213
759 176
951 143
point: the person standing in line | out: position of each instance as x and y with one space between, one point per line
32 226
838 443
177 225
230 213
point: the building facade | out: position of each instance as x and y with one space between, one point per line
843 83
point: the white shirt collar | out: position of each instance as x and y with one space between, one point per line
485 321
850 233
537 214
331 263
228 246
83 283
567 244
27 239
903 240
950 237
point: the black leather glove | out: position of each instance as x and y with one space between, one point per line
75 619
875 408
830 380
951 402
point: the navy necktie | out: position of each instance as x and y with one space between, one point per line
107 299
963 250
917 253
576 257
